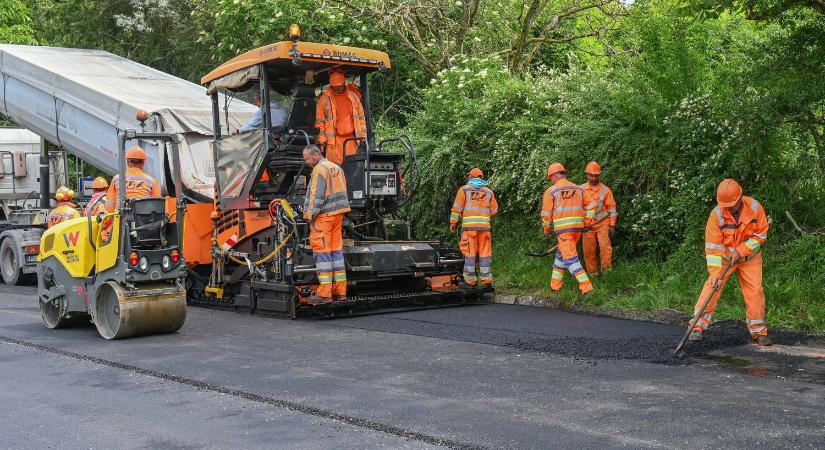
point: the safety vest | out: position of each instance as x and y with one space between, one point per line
563 207
724 234
327 192
96 205
63 211
138 185
326 114
599 203
475 206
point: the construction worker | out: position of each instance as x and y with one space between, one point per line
339 115
325 204
277 116
65 209
138 183
563 213
599 220
475 204
735 232
97 204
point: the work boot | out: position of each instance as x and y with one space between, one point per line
763 341
695 336
339 298
318 300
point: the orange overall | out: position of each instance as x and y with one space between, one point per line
745 234
325 204
475 205
563 210
63 211
600 212
340 117
138 185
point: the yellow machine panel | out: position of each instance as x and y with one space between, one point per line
69 242
108 242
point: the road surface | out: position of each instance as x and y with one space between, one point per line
491 376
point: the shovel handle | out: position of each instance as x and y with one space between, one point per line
699 312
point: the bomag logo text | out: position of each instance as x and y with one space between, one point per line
338 54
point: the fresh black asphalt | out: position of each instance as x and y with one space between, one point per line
491 376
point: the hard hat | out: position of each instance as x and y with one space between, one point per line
554 169
728 193
475 172
337 78
100 183
136 153
593 168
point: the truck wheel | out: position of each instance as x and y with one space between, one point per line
10 263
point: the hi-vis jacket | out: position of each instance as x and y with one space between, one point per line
326 117
327 191
475 206
63 211
598 204
724 233
138 185
96 205
563 208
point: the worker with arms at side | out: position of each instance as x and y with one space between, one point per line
475 204
97 204
339 115
599 220
139 184
65 209
735 233
325 204
277 116
562 213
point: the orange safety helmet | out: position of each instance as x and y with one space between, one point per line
136 153
593 168
554 169
99 184
475 172
63 194
728 193
337 78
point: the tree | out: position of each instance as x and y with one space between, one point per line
15 23
435 32
753 9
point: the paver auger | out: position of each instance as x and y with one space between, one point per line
124 270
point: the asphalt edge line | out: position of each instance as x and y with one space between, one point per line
280 403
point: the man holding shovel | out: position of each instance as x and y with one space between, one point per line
475 204
736 230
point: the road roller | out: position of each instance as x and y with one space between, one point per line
123 270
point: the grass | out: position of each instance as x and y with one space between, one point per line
793 279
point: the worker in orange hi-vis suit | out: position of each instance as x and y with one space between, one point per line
97 204
325 204
339 115
139 184
475 204
64 210
600 216
735 232
562 212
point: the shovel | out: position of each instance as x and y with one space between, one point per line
552 249
702 309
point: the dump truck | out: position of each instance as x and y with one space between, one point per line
22 211
244 241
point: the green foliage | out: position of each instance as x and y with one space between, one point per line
15 23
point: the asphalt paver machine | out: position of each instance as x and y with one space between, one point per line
256 256
123 270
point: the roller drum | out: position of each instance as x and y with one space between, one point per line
151 309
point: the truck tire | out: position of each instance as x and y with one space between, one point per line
10 264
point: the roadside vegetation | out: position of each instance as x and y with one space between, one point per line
669 96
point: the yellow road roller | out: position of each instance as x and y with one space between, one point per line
124 270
